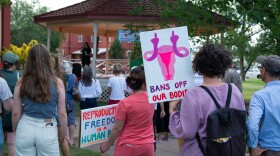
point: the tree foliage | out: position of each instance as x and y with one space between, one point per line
4 2
201 17
265 13
116 51
136 51
22 52
23 28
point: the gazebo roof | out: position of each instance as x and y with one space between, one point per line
111 15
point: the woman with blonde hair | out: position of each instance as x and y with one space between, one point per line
39 95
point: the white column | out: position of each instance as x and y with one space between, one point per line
49 39
93 63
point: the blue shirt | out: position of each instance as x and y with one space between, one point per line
45 110
71 83
263 124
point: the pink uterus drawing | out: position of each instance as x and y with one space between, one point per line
165 55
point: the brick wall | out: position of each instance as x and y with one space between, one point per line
70 44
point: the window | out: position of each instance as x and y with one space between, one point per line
110 39
80 38
91 38
100 38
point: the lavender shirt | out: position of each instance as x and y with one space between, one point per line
195 107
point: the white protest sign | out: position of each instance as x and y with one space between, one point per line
127 36
167 62
96 124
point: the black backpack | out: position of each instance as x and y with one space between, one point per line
226 129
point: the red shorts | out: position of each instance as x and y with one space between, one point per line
113 102
134 150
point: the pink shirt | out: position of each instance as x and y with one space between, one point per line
137 114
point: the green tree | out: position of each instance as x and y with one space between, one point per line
116 50
23 28
4 2
249 13
265 13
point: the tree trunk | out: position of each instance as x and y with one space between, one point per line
242 73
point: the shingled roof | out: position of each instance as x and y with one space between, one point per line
82 15
100 9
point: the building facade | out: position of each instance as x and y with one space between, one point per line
73 43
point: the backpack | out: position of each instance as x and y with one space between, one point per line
226 129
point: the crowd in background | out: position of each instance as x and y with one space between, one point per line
39 117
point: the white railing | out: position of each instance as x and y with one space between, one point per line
101 64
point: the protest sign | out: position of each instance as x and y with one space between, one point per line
127 36
167 62
96 124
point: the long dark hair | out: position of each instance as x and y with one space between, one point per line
87 76
87 45
35 82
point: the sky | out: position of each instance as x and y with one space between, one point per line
57 4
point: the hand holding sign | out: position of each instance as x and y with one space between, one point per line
174 106
66 138
104 147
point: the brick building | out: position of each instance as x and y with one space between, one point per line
72 44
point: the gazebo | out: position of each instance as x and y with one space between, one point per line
106 17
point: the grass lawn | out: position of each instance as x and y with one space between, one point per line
250 86
78 110
74 151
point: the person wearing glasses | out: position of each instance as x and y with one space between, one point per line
263 123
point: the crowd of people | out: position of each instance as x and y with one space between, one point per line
39 106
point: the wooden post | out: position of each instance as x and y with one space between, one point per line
79 142
93 63
107 54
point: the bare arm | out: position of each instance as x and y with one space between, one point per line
62 111
113 136
8 104
17 107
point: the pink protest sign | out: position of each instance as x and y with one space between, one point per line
167 62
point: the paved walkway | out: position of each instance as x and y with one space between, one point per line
165 148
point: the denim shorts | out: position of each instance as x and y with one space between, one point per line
88 103
71 115
1 135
